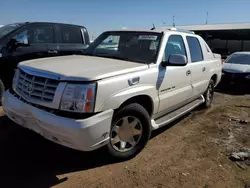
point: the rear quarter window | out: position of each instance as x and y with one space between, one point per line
195 49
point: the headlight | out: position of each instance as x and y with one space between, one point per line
78 98
15 79
248 76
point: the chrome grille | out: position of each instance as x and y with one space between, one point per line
35 87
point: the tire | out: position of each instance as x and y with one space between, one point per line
209 95
131 113
1 92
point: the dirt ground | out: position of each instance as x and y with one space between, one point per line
192 152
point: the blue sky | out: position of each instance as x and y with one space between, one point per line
100 15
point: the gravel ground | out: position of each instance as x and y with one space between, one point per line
192 152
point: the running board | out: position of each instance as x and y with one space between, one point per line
168 118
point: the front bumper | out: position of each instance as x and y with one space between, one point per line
84 134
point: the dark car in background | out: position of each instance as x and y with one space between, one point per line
236 70
32 40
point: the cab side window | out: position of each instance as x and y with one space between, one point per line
71 35
175 45
36 35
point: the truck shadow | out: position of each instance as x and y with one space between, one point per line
28 160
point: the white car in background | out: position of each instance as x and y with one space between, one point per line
1 25
236 69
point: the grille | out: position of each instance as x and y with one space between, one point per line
35 87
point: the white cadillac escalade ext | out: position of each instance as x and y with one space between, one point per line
128 83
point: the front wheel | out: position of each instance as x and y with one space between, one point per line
1 92
130 131
209 95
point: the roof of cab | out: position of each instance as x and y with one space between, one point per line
136 30
47 23
155 30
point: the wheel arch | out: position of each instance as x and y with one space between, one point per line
144 100
214 78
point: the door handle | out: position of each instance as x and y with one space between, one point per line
188 72
52 51
203 69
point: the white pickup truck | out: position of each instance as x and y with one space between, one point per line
129 83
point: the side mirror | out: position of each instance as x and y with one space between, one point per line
22 43
21 40
175 60
14 42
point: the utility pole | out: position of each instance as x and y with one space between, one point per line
173 22
207 18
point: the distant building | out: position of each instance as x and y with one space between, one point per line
230 37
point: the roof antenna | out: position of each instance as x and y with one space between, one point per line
153 28
173 22
207 18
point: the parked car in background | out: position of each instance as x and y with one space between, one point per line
115 96
1 25
32 40
236 69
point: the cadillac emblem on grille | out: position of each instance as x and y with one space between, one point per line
35 87
30 88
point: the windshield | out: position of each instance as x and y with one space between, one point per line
8 28
141 47
243 59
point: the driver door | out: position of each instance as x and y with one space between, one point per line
175 81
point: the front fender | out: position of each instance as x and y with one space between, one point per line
111 93
116 100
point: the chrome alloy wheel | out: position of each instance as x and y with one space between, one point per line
126 133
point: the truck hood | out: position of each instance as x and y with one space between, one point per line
236 68
80 68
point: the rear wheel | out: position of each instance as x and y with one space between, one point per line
130 132
209 95
1 91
